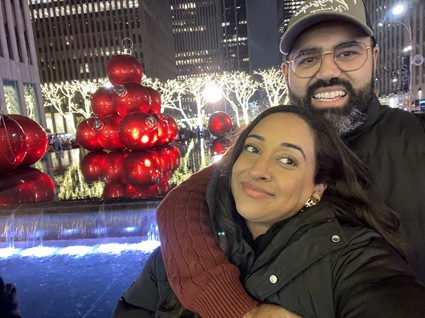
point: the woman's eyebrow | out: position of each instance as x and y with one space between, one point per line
289 145
283 144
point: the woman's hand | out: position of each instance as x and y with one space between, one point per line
269 311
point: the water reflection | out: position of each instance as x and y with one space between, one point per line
78 174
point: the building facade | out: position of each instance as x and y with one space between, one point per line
197 37
20 81
400 76
76 39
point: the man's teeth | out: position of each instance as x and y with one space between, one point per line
327 95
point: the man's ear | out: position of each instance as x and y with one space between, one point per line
285 70
318 190
375 52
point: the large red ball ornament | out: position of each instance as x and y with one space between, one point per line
219 124
13 147
26 185
142 169
93 166
114 167
138 131
87 136
219 146
35 139
136 192
107 133
102 102
131 97
173 128
114 191
169 157
124 68
162 127
155 100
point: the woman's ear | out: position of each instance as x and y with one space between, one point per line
318 190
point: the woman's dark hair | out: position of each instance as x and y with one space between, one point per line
348 180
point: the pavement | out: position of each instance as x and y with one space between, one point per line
64 286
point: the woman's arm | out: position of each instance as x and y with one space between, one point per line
199 273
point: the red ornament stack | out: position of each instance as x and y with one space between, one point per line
127 115
129 125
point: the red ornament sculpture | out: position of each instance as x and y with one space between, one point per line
131 97
36 140
87 135
219 124
155 100
102 102
93 166
124 68
142 169
138 131
173 128
107 133
13 147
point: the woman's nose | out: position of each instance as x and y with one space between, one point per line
260 169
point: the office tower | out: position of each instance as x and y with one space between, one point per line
197 37
400 75
20 82
75 39
235 35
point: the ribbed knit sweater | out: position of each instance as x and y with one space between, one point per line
203 279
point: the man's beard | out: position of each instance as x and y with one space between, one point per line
347 117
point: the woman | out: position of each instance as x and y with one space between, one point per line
290 206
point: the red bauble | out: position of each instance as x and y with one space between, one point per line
107 133
114 190
155 100
13 147
173 128
114 167
219 146
142 169
93 166
136 192
102 102
35 139
138 131
27 185
162 127
219 124
169 157
131 97
87 136
124 68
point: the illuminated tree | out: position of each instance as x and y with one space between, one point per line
172 92
238 88
273 82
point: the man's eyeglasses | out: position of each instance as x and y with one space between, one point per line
348 57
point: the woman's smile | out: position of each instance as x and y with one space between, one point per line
255 192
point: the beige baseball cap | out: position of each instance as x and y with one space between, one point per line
315 11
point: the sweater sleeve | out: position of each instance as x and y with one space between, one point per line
199 273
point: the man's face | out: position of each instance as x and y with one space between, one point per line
342 96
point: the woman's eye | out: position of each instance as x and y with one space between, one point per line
250 148
288 161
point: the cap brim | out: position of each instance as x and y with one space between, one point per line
301 25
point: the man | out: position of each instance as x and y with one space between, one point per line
330 61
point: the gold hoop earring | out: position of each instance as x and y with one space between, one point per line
311 202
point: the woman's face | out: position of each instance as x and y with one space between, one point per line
273 176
